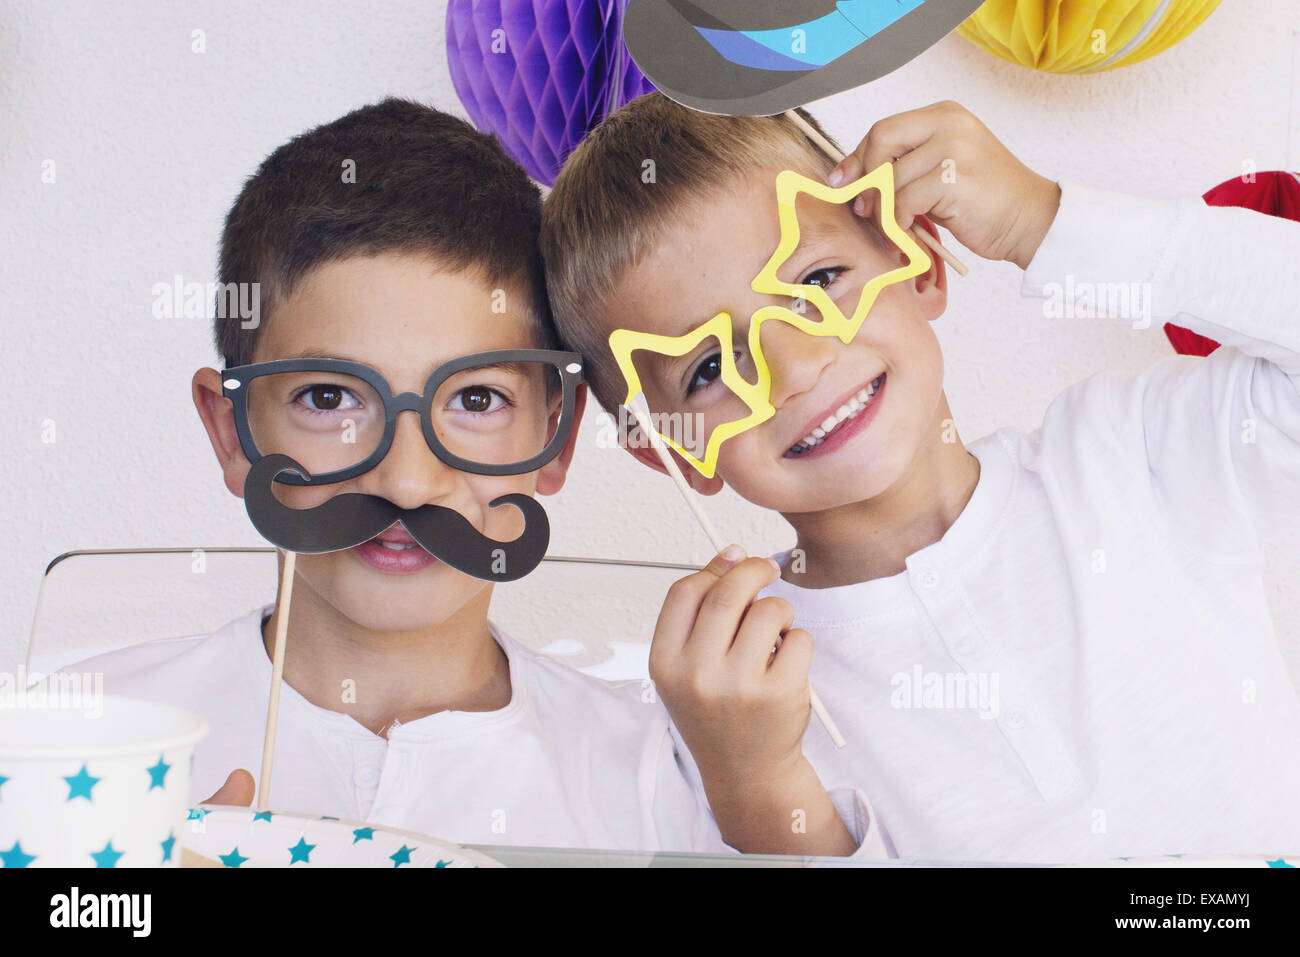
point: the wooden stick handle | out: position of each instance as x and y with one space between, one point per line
277 676
640 410
919 231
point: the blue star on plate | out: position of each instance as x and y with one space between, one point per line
79 784
14 857
301 851
363 834
262 816
442 863
158 774
232 859
107 857
1278 863
3 779
167 846
197 814
402 856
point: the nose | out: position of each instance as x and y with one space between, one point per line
795 359
410 475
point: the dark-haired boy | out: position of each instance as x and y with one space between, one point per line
401 238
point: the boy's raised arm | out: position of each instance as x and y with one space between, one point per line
1213 443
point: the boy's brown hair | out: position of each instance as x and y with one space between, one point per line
602 216
425 182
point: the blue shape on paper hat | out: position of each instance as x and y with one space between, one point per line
748 57
822 40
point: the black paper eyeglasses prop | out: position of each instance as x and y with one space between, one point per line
315 422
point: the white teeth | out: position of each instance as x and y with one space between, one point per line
846 411
396 546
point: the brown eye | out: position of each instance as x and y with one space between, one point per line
821 277
477 398
706 372
326 398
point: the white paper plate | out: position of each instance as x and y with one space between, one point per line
243 837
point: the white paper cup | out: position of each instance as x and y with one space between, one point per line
95 787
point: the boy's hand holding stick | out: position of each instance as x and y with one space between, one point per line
951 169
640 410
732 672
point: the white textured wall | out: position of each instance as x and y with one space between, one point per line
151 142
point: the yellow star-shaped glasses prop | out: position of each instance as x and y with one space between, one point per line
789 185
757 395
624 342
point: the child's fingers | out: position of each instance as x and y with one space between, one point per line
239 790
915 165
889 139
765 621
794 658
725 605
919 197
682 604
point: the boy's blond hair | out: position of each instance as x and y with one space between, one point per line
607 210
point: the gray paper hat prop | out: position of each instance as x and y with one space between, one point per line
763 57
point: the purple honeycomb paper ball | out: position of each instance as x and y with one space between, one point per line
540 74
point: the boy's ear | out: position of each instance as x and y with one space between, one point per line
550 478
932 286
218 417
646 455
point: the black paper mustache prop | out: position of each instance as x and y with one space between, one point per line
350 519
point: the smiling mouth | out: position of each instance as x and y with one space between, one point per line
845 414
395 539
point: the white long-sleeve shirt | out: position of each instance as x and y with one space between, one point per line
571 761
1102 587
